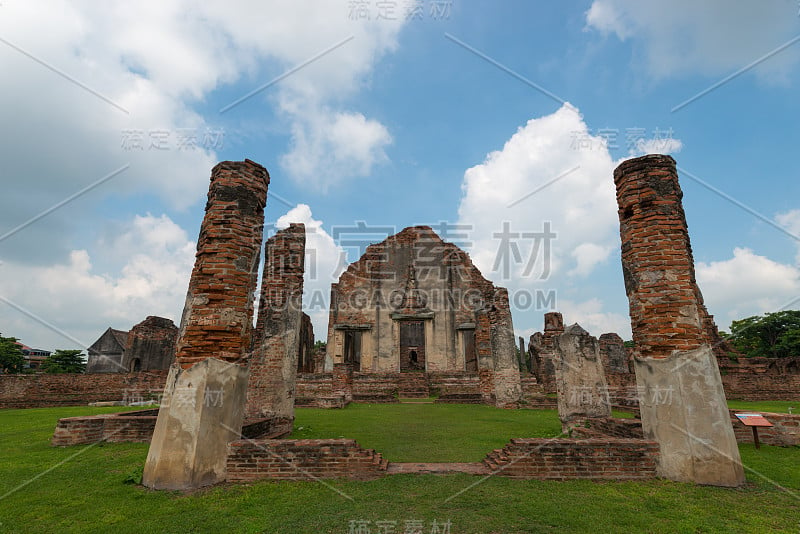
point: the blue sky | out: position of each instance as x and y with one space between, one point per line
456 114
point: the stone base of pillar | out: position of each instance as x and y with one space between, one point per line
201 412
684 409
507 388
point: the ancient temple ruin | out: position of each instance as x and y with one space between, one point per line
414 303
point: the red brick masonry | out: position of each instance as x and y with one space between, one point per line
138 427
40 391
302 459
564 459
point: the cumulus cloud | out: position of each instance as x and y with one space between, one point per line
542 182
81 300
329 147
746 284
100 86
710 38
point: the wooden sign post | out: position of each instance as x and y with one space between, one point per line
753 420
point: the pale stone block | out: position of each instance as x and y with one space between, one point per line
202 411
684 409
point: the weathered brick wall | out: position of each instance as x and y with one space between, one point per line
302 459
151 345
785 432
309 387
666 306
42 390
608 426
136 427
217 317
760 365
757 387
276 340
614 355
541 348
567 459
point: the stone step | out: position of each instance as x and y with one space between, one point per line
476 468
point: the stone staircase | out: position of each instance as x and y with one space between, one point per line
414 385
377 460
497 459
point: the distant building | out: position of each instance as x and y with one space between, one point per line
151 345
147 346
105 354
33 357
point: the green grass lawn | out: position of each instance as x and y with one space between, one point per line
82 489
765 406
427 432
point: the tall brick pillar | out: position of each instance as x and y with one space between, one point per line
218 315
276 340
507 387
204 398
683 404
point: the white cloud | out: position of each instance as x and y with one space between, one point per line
657 145
322 261
709 38
587 256
329 147
542 175
157 61
746 284
81 301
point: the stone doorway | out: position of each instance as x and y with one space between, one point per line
470 355
412 346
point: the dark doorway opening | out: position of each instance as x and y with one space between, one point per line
470 355
352 348
412 346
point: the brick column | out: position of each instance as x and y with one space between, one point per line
682 400
217 317
276 340
204 397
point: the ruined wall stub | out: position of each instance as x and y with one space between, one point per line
580 377
204 398
541 348
276 340
151 345
682 401
217 316
507 387
615 357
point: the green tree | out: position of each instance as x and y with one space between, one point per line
774 335
64 361
11 359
